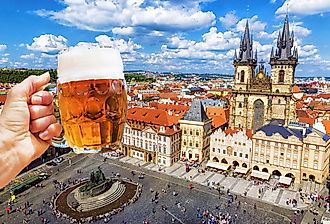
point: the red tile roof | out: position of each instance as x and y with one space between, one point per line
296 89
231 131
3 98
326 124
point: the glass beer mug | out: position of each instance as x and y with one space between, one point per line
92 98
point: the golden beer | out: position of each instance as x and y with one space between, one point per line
93 111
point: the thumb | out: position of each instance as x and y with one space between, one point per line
29 86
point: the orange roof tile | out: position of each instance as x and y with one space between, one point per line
168 95
326 124
296 89
3 98
307 120
152 116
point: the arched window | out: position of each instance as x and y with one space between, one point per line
242 76
281 76
279 101
240 105
237 75
277 91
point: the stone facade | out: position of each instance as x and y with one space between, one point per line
195 140
196 131
298 152
232 147
258 98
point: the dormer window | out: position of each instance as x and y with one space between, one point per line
162 129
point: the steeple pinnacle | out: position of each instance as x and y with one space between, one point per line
285 42
245 54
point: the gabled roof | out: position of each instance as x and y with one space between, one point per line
151 116
196 112
285 132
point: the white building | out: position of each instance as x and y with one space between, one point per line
232 147
152 135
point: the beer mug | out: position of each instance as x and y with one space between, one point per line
92 98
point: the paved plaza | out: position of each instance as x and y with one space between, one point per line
268 206
235 184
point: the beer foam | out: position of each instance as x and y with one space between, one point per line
88 63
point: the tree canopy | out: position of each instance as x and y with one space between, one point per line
17 76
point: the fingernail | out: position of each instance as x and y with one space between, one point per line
43 135
36 100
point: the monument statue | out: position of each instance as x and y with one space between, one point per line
96 178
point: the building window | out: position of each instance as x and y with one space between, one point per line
282 154
240 105
281 76
267 160
235 153
133 153
246 156
224 151
184 131
196 144
279 101
275 161
197 133
191 132
242 76
315 166
305 163
240 154
213 149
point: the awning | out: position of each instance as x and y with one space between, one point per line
285 180
242 170
220 166
260 175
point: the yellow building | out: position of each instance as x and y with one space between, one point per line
196 131
258 98
221 92
296 151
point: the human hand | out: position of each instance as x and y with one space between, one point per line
27 123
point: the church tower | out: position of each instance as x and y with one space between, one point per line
258 98
284 60
244 63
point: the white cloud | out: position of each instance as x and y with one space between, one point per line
178 42
229 20
304 7
122 45
214 40
28 56
103 15
307 51
48 43
123 30
4 60
156 33
3 47
255 24
299 30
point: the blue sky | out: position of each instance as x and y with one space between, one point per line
163 35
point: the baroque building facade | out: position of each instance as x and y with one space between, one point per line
152 135
257 98
296 151
231 146
196 131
